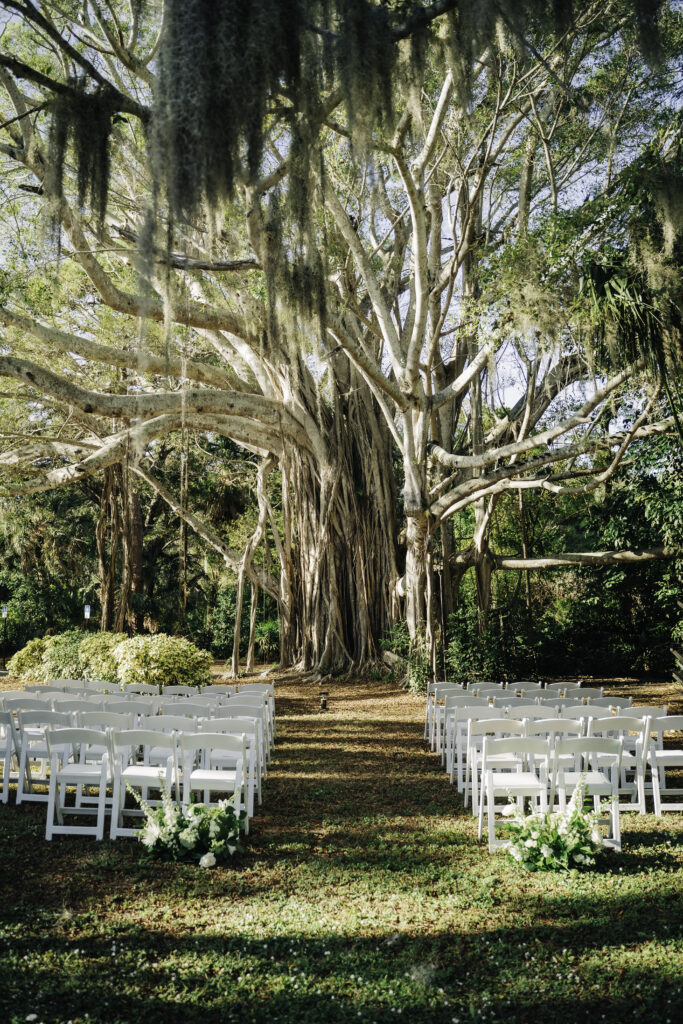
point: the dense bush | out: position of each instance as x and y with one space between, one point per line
27 662
162 660
114 657
61 659
96 656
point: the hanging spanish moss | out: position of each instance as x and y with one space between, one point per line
82 119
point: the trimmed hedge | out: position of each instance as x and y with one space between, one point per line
114 658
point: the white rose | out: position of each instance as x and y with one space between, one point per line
546 851
530 843
207 861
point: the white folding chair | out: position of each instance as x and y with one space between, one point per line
477 729
596 762
663 757
266 688
198 751
249 728
433 689
34 756
236 708
457 722
443 716
632 731
73 763
133 766
9 750
515 767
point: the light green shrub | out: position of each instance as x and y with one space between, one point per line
27 663
162 660
61 657
97 656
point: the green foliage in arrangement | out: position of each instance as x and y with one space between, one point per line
555 841
207 835
96 656
163 660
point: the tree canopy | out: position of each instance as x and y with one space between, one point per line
410 257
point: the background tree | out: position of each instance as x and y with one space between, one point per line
329 275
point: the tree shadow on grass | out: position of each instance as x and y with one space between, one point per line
577 966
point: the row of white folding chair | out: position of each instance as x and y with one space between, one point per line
582 715
530 768
77 759
32 750
441 695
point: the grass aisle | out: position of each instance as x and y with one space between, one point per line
363 895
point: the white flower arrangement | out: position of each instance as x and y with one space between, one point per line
208 834
553 841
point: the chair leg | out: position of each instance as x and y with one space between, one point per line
51 800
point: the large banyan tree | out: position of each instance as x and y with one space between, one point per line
412 255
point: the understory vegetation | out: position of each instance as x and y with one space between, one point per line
362 895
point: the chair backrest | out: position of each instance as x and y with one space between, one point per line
100 686
6 695
493 727
125 743
218 688
236 708
170 723
183 691
531 747
554 727
591 691
31 719
248 726
77 704
488 690
104 720
61 742
269 688
124 707
27 703
574 711
560 687
524 687
617 725
39 689
150 688
591 750
227 743
549 702
461 700
526 711
258 700
80 683
508 702
610 702
464 713
647 710
664 724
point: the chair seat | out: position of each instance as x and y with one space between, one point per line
595 781
80 772
212 779
143 775
514 781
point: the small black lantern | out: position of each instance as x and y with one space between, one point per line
323 700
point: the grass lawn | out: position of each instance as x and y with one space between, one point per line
362 895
